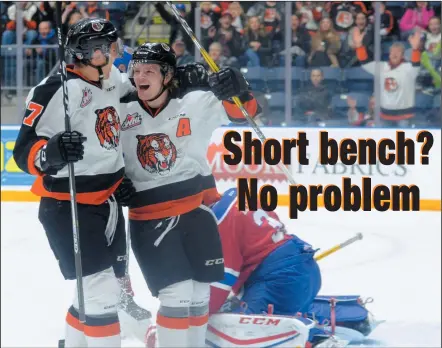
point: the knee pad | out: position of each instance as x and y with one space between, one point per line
101 293
177 295
199 305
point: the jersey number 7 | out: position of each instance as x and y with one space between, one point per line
36 110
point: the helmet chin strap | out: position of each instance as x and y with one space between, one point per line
99 69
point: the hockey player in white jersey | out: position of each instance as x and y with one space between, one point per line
165 136
44 149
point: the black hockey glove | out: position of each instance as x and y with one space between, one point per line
228 83
124 192
192 76
62 148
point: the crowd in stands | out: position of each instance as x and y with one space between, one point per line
330 81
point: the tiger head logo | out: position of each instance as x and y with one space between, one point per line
156 153
107 127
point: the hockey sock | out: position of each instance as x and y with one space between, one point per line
74 335
103 331
199 315
172 326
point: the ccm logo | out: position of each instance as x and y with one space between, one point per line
259 321
214 262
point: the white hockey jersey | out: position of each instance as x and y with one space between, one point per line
94 112
398 85
165 152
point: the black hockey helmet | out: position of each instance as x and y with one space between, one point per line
155 53
87 36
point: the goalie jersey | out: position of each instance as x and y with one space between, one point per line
165 151
94 112
247 239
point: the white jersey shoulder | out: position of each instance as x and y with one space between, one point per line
170 146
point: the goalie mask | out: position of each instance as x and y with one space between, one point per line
87 36
155 53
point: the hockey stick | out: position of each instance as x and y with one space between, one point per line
339 247
72 188
236 100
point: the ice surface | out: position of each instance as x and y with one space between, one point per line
398 263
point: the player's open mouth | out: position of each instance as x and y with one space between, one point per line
144 87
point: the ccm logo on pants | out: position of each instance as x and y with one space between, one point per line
214 262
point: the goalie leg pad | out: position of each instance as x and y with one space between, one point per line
289 279
349 312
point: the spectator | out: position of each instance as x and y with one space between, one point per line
91 9
239 19
259 50
428 64
398 79
343 15
315 100
301 41
416 17
71 16
433 36
360 118
387 22
311 14
42 58
176 30
216 53
231 41
326 44
210 15
30 17
347 56
269 13
182 56
46 12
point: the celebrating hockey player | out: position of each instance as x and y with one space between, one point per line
44 149
165 135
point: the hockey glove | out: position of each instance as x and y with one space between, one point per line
192 76
124 192
228 83
61 149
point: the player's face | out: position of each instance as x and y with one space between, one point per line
98 59
148 79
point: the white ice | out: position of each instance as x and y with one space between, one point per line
398 264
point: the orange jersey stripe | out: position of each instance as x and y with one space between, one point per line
396 117
174 207
102 331
234 112
94 198
173 323
33 170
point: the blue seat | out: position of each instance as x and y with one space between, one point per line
256 77
277 100
276 78
339 106
358 80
